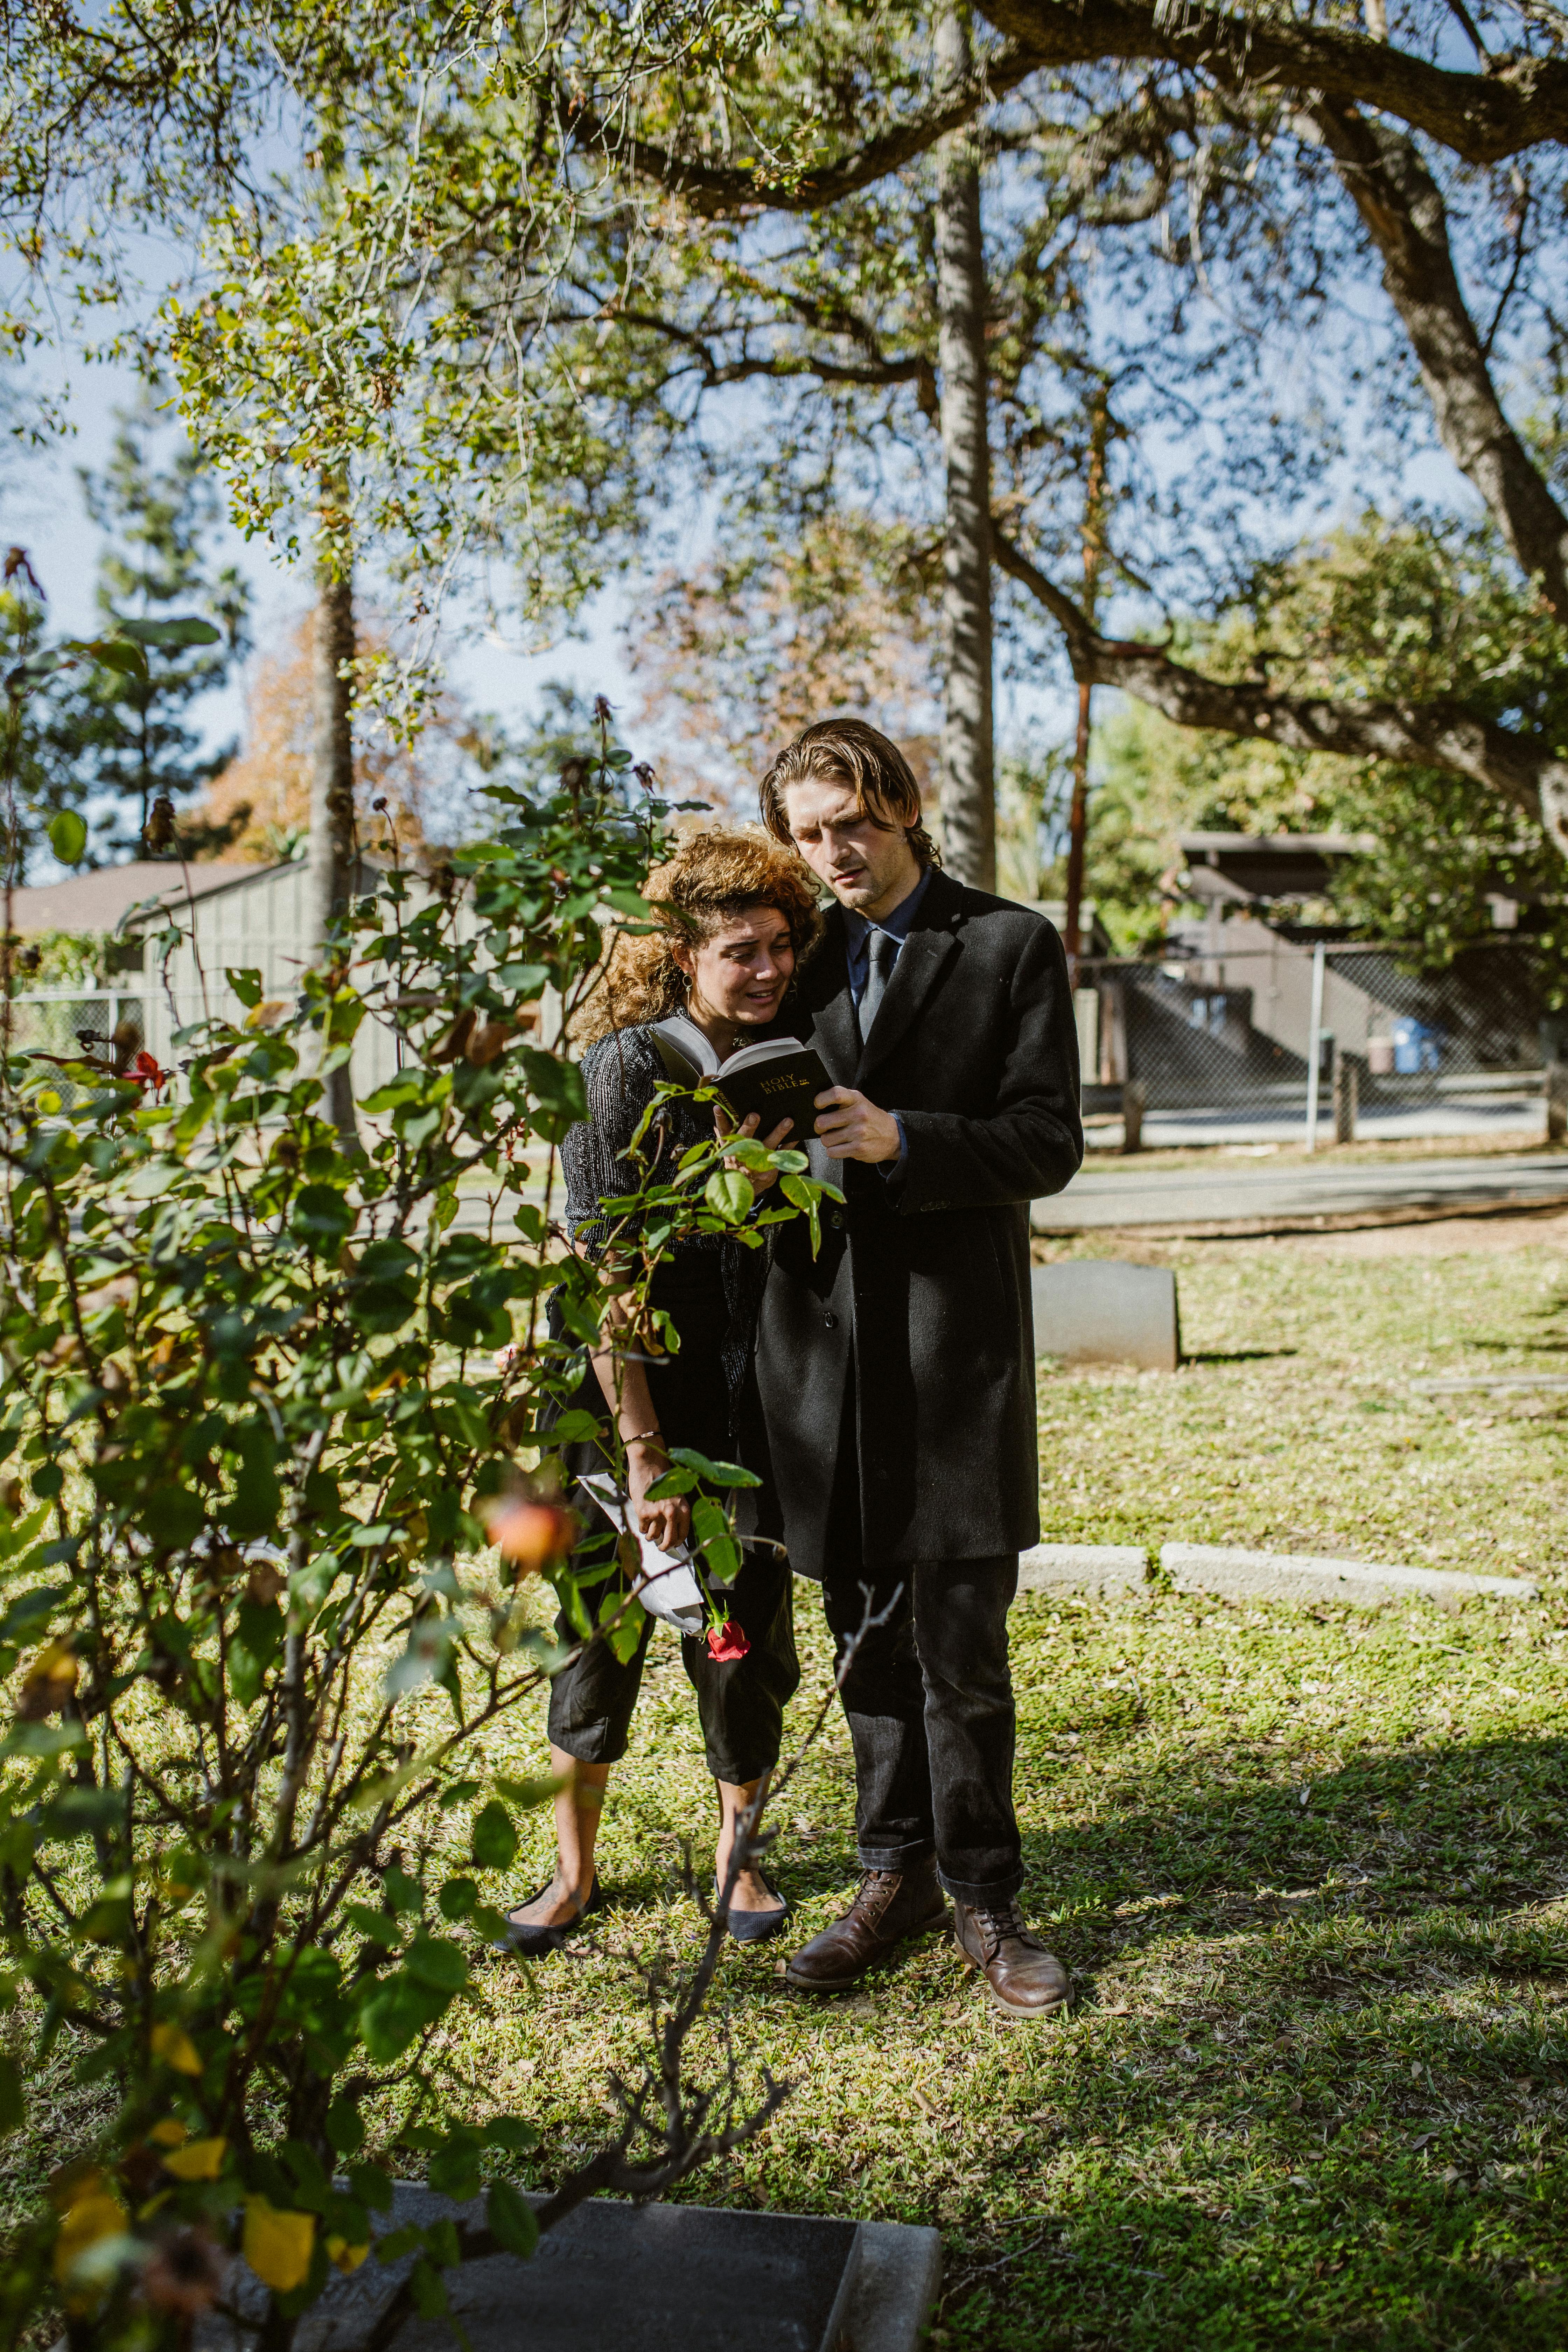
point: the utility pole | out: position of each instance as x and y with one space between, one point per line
330 874
968 764
1093 552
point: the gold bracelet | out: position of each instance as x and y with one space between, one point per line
647 1437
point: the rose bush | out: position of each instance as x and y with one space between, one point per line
281 1408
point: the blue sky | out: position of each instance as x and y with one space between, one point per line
41 509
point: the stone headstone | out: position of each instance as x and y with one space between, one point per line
1102 1311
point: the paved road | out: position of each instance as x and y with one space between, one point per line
1183 1196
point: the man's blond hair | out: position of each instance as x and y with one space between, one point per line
847 752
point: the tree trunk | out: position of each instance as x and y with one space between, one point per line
1093 548
331 871
1078 831
968 774
1401 208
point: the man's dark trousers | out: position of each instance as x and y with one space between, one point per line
929 1701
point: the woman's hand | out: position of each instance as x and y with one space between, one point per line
758 1177
668 1523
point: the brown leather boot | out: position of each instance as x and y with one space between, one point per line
1024 1979
889 1905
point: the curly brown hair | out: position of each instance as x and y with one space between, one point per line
711 878
848 751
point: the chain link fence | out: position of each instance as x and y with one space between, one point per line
105 1026
1247 1038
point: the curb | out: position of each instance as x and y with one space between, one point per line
1099 1567
1290 1576
1245 1575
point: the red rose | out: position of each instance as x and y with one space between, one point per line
727 1641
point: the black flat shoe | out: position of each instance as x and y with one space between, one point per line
756 1926
532 1943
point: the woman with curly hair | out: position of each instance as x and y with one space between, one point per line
734 912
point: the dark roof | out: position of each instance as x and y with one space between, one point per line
101 898
1266 865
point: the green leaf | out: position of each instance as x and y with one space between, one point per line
438 1962
729 1195
512 2133
174 1516
513 2224
426 2290
371 2186
43 1738
397 2014
718 1474
456 1898
344 2126
626 1632
527 1793
382 1306
454 2170
258 1497
13 2108
495 1839
170 633
245 983
118 654
84 1812
321 1216
29 1608
67 836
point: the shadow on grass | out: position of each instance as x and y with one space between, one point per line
1310 2098
1234 1355
1339 2124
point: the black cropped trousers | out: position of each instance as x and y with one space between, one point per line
740 1701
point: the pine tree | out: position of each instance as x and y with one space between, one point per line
109 740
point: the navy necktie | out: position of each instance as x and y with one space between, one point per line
879 971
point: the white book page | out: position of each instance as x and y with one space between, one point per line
667 1587
688 1039
771 1049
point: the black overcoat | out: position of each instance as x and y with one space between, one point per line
924 1277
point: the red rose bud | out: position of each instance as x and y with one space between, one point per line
727 1641
531 1534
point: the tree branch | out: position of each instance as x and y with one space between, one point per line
1403 210
715 372
1522 770
1519 102
717 190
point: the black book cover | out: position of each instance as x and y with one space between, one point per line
785 1086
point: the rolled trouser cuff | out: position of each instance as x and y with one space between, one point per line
591 1743
894 1857
982 1898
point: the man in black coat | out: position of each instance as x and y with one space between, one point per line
897 1368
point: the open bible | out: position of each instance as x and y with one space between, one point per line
778 1077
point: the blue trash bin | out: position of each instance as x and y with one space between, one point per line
1416 1048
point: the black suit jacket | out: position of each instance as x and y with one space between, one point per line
924 1278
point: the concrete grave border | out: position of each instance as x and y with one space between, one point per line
1243 1574
891 2279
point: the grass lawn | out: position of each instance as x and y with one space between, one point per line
1309 1866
